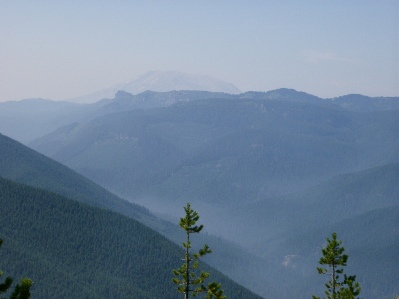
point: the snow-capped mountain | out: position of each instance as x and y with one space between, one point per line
162 81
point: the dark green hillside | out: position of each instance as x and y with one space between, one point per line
21 164
71 250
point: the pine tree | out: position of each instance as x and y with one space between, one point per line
187 278
21 290
335 259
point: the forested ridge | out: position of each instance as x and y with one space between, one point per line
71 250
21 164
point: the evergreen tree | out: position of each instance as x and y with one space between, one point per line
187 277
335 259
21 290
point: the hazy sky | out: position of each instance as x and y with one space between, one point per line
62 49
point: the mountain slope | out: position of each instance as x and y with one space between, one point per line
19 163
371 240
29 119
242 149
339 198
71 250
362 207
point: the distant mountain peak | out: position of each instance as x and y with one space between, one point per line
163 81
172 80
122 94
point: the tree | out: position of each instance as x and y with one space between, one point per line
186 277
335 259
21 290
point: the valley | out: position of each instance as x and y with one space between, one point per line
272 174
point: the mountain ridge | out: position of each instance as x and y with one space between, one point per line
238 129
27 120
162 81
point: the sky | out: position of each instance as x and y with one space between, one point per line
63 49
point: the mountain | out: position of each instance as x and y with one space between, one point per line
337 199
72 250
362 207
370 239
29 119
162 81
263 169
21 164
220 150
276 172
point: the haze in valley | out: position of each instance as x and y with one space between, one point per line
278 121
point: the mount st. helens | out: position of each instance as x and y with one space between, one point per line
162 81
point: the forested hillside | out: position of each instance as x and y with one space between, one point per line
19 163
71 250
